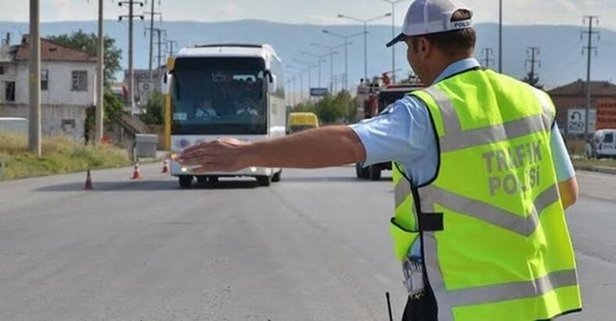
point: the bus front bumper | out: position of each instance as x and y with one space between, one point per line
179 170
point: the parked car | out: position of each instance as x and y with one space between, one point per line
602 144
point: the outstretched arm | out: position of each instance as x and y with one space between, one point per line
322 147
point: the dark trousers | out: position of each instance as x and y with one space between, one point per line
422 308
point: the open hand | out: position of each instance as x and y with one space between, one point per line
223 155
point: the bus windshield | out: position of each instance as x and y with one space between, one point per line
219 96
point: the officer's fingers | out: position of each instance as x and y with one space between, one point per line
194 147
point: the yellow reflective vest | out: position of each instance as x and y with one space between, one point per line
491 226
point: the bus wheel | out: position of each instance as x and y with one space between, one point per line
374 173
264 180
276 177
361 172
185 181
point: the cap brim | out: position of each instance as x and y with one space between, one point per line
394 41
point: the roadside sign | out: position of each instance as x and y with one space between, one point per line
576 121
606 113
318 92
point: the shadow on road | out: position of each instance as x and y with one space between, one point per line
140 186
331 180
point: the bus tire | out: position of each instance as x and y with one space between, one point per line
276 177
264 180
185 181
361 172
375 173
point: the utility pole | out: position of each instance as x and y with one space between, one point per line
152 13
160 52
159 43
589 48
487 53
171 44
100 74
131 74
34 140
533 52
500 36
160 55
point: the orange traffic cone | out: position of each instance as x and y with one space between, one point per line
136 172
88 186
165 167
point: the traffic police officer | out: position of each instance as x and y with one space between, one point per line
481 179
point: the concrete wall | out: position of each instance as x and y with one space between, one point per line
55 120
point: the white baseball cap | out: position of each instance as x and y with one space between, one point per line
432 16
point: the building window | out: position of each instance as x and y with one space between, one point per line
1 70
79 80
44 79
9 91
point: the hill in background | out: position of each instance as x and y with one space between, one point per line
561 58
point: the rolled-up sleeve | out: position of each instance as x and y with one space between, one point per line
560 156
402 132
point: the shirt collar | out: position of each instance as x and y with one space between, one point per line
458 67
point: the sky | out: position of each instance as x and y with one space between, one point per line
320 12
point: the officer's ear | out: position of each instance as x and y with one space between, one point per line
424 47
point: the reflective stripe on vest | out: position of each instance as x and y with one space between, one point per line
495 180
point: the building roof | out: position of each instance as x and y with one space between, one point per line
578 88
51 51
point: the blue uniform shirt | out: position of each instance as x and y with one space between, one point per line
403 132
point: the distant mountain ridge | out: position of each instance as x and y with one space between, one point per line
561 59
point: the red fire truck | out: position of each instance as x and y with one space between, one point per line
373 98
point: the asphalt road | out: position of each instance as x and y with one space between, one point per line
312 247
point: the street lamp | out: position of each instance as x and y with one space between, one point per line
346 55
331 62
319 61
393 34
309 67
301 81
365 23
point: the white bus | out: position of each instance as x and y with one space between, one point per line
224 90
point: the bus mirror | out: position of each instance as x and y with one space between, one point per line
165 84
272 86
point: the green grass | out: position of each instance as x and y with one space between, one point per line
60 155
577 150
584 162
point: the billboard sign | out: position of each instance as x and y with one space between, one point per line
318 92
